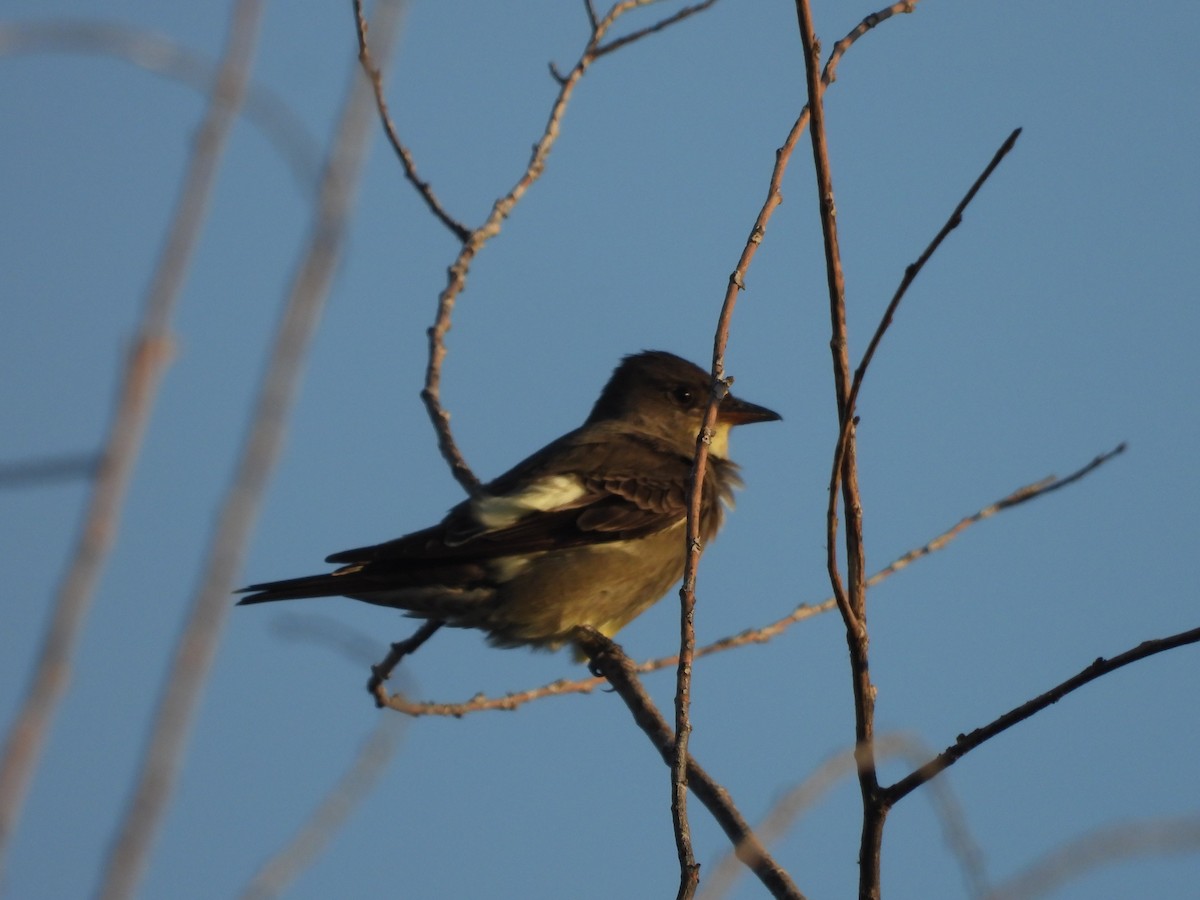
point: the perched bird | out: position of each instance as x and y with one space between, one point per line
587 531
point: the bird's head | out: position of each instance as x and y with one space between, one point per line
664 395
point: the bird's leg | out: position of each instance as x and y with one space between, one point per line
382 671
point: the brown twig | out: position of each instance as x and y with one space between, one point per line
381 672
910 275
375 76
851 597
764 633
618 43
194 652
968 742
147 360
610 660
843 468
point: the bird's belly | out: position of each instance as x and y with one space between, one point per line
541 600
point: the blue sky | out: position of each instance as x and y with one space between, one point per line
1059 320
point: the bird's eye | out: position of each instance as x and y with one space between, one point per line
683 396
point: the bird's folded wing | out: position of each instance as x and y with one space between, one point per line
588 510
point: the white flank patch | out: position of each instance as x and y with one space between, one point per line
545 494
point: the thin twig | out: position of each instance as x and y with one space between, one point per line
197 644
382 671
608 659
618 43
765 633
968 742
851 597
375 75
147 359
910 275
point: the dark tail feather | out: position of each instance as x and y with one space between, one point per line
294 589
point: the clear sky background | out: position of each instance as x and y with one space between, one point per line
1059 320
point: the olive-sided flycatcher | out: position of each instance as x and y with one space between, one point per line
587 531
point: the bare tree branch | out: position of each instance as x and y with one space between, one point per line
618 43
460 231
210 605
609 660
968 742
383 671
851 597
147 359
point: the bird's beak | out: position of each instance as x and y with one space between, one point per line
738 412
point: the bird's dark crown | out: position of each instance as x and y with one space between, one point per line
650 381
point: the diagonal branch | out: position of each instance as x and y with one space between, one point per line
968 742
609 660
375 76
618 43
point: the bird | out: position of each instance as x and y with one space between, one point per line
587 531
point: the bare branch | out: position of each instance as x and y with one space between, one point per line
383 671
910 275
829 76
968 742
608 659
618 43
210 604
851 597
375 76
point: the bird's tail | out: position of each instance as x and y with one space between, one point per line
294 589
